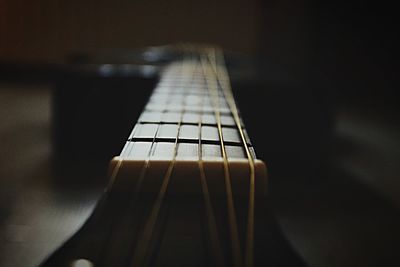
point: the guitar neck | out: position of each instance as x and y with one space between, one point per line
191 127
183 190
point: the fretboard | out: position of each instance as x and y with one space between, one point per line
187 114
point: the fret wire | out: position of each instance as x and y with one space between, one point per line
186 141
186 123
213 230
226 89
236 251
142 247
187 111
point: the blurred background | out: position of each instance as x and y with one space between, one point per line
322 74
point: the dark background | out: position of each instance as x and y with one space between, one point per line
326 122
348 45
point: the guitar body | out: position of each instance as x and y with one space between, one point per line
187 188
271 246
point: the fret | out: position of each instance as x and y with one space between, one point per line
188 117
179 108
140 149
170 91
171 79
208 119
151 116
187 151
171 117
185 123
180 140
145 131
168 131
211 151
163 150
234 152
189 132
230 135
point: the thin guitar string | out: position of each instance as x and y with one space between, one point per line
124 152
142 250
213 231
209 209
147 162
227 90
119 163
249 260
236 251
118 166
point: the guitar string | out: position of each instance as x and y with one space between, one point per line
119 163
120 159
227 90
146 164
209 210
212 225
142 250
147 160
212 87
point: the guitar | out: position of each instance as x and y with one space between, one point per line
187 188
